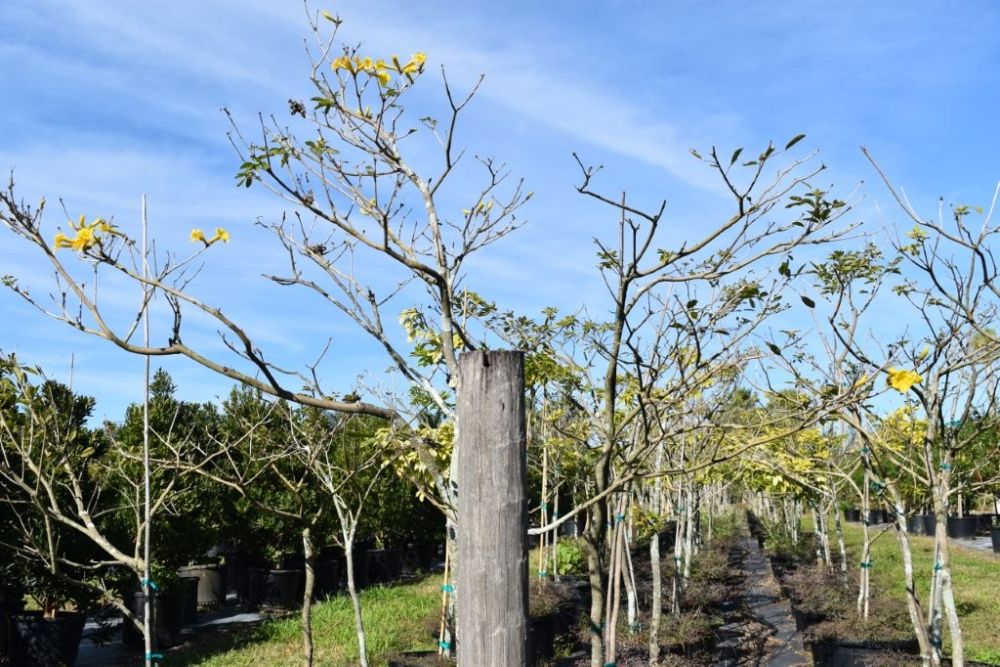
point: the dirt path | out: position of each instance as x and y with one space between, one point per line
759 628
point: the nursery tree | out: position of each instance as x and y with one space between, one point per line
680 317
195 515
60 481
943 365
367 235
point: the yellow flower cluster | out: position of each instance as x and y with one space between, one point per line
86 235
902 380
379 69
220 235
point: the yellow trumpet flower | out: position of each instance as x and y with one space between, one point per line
902 380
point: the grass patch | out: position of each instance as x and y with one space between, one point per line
975 576
396 619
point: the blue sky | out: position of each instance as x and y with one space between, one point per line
104 100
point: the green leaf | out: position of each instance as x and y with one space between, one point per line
774 348
796 139
691 304
784 270
696 154
736 156
809 302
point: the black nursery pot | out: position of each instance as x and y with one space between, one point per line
962 527
167 618
190 587
385 565
251 586
852 515
930 524
211 584
541 638
995 537
283 588
915 524
327 578
8 607
47 641
877 516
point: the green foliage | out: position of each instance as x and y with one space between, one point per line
199 513
572 557
844 268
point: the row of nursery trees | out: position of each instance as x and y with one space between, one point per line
682 377
268 481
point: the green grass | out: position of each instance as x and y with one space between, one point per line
975 576
396 619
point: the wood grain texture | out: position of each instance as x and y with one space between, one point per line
492 583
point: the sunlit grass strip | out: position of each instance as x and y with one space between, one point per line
975 575
395 620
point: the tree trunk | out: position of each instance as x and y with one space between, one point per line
656 606
492 559
352 591
841 546
310 560
912 602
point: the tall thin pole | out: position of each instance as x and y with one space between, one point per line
147 528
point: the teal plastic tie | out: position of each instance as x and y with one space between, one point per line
555 515
945 466
938 567
447 588
596 629
611 664
620 518
150 583
445 645
866 565
545 506
154 656
543 573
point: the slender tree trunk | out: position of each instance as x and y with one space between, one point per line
632 598
543 539
656 608
710 501
912 601
555 535
616 578
596 588
310 561
352 591
935 607
863 590
678 583
689 530
841 546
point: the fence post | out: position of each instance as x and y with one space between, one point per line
492 568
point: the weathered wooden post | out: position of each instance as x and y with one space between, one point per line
492 582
